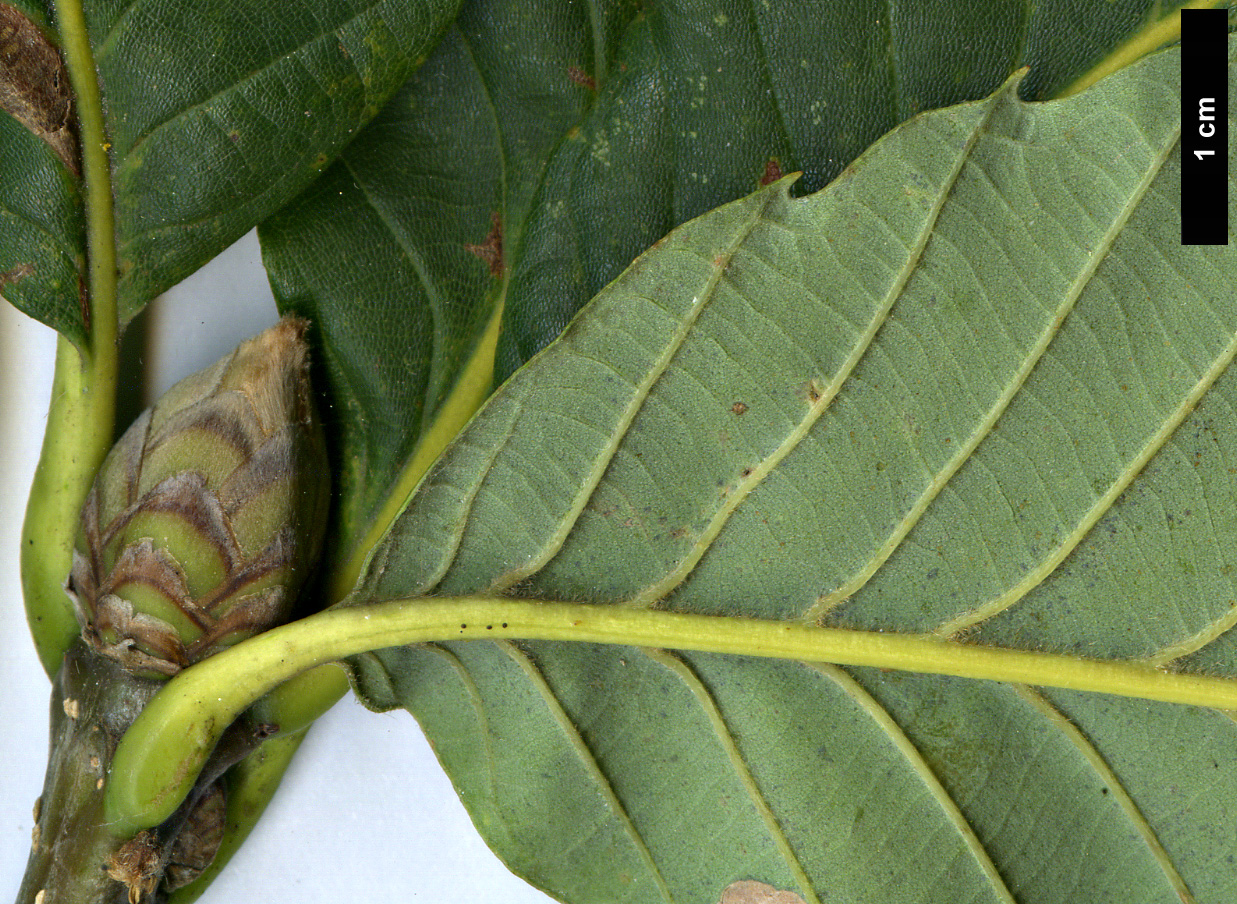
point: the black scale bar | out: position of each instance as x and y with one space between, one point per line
1204 127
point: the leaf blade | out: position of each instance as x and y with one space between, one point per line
219 113
578 423
41 252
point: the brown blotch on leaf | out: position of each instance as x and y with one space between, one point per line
813 391
773 171
580 77
739 408
491 250
15 274
749 891
34 85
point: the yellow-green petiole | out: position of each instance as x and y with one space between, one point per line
159 758
82 413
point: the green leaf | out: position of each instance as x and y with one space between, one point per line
523 182
41 232
423 226
220 112
41 228
975 388
708 97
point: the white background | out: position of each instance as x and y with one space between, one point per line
365 812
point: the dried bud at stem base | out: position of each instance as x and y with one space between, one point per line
199 531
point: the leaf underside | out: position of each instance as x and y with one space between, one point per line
528 180
977 388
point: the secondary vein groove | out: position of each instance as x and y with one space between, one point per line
914 759
461 523
433 384
824 396
587 759
478 705
1097 762
985 427
739 764
1196 641
606 455
290 54
1101 506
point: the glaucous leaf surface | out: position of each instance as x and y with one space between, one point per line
220 111
975 388
545 144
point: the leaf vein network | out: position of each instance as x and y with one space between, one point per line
738 764
826 394
291 55
989 423
1100 767
588 761
1101 506
914 759
468 501
605 456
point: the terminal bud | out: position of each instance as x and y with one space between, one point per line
207 514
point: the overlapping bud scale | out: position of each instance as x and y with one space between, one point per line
207 514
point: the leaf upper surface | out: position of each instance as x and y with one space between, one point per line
220 112
41 232
976 385
41 229
424 227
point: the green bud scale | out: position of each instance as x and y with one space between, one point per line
206 514
199 531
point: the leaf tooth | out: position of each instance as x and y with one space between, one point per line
833 599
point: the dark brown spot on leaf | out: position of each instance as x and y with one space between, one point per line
580 77
739 408
34 86
491 250
773 171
